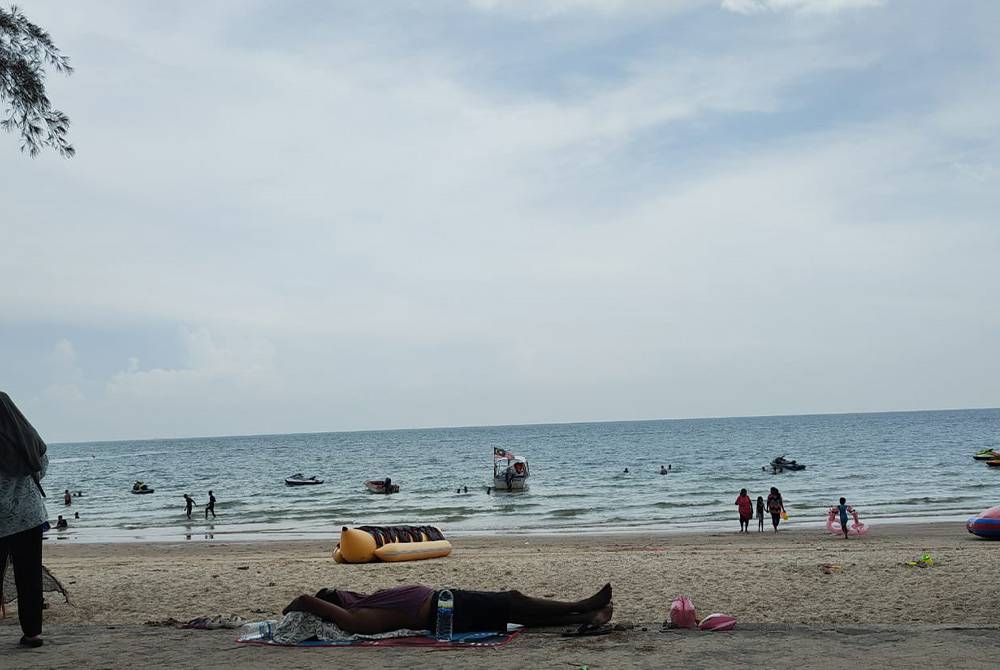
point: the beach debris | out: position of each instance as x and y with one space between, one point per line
925 561
830 568
169 622
216 621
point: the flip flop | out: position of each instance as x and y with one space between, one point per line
589 629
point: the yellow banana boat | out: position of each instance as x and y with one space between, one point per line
390 543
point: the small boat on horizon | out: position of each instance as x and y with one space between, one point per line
298 479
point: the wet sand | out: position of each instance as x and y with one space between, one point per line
874 609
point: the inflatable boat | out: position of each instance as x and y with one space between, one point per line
987 524
366 544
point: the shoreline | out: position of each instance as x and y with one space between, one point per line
209 533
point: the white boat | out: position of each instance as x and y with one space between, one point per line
378 486
299 480
510 472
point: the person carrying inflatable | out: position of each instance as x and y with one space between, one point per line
840 513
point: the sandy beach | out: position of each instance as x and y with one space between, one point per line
873 610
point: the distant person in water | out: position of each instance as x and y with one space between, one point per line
387 485
67 498
465 489
842 508
775 505
760 514
61 523
76 515
488 489
188 504
626 471
210 507
745 507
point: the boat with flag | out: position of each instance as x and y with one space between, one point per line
510 472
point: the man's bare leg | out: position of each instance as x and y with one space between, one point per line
522 606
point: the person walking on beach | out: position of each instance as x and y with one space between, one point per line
210 507
745 507
23 463
775 505
188 504
760 514
842 508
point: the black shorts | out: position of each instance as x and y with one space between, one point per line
477 611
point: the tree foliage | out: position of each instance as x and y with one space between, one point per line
25 51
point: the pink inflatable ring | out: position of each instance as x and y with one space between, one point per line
833 523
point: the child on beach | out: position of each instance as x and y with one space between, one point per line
745 507
760 514
842 508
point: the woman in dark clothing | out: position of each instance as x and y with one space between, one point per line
775 505
22 513
415 607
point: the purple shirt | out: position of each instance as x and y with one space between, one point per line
410 597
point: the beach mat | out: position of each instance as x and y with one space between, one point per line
460 641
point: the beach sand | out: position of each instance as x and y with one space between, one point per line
874 611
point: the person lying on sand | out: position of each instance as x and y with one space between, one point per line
415 607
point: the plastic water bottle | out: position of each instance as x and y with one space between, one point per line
445 614
258 630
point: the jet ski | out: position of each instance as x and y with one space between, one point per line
781 463
298 479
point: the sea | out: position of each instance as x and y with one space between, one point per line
892 467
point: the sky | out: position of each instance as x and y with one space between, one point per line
317 216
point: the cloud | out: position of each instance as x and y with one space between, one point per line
798 6
284 220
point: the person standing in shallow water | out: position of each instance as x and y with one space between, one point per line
210 507
775 505
745 507
188 504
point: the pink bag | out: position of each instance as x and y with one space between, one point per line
682 613
717 622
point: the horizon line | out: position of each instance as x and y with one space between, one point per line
532 424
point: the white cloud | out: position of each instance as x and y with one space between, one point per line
798 6
364 233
